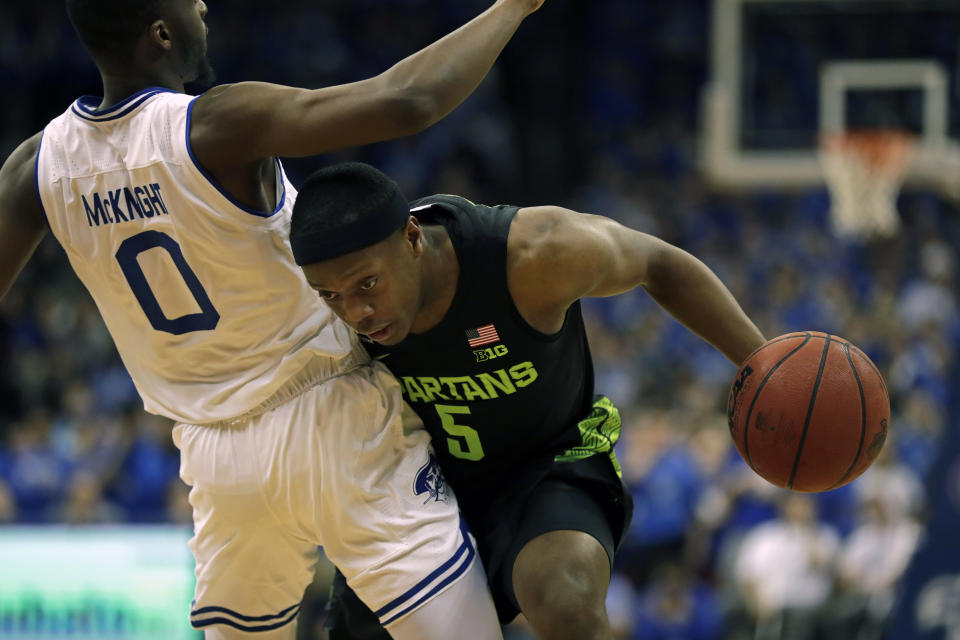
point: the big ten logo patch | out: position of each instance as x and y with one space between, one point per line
482 355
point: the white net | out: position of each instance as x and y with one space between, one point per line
864 172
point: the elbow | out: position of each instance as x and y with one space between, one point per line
411 111
672 272
663 263
420 111
413 107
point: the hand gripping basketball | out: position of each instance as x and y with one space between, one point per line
808 411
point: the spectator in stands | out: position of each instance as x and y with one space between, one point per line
36 475
871 562
666 483
784 571
675 605
85 503
892 482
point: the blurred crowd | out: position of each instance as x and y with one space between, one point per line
600 117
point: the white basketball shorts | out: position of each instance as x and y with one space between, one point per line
344 464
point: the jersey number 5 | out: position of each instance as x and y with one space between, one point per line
464 441
205 320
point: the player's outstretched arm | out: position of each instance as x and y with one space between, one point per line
557 256
245 122
22 226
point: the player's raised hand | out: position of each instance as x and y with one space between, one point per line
234 125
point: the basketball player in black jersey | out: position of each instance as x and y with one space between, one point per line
476 310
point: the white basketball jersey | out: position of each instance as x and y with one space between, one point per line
201 295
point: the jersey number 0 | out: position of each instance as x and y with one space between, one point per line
205 320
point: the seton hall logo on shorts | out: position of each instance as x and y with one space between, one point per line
430 481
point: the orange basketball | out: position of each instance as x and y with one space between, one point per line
808 411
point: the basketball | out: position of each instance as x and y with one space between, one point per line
808 411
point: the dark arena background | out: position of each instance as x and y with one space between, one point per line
696 121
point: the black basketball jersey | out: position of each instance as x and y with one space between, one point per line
497 396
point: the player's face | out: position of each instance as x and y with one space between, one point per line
189 32
376 290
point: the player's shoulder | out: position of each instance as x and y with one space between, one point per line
544 269
442 200
19 167
239 97
26 150
549 241
222 104
485 219
18 181
540 228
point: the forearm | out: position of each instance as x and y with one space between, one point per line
442 75
694 295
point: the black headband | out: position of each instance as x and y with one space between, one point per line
390 216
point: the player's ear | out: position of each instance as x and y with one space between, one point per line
159 34
414 234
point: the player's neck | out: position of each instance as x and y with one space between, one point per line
440 272
117 86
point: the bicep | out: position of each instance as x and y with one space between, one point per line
22 226
253 120
626 255
575 255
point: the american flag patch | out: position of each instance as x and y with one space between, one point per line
482 335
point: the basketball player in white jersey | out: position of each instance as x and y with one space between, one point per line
174 212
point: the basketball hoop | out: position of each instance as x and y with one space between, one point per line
864 171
